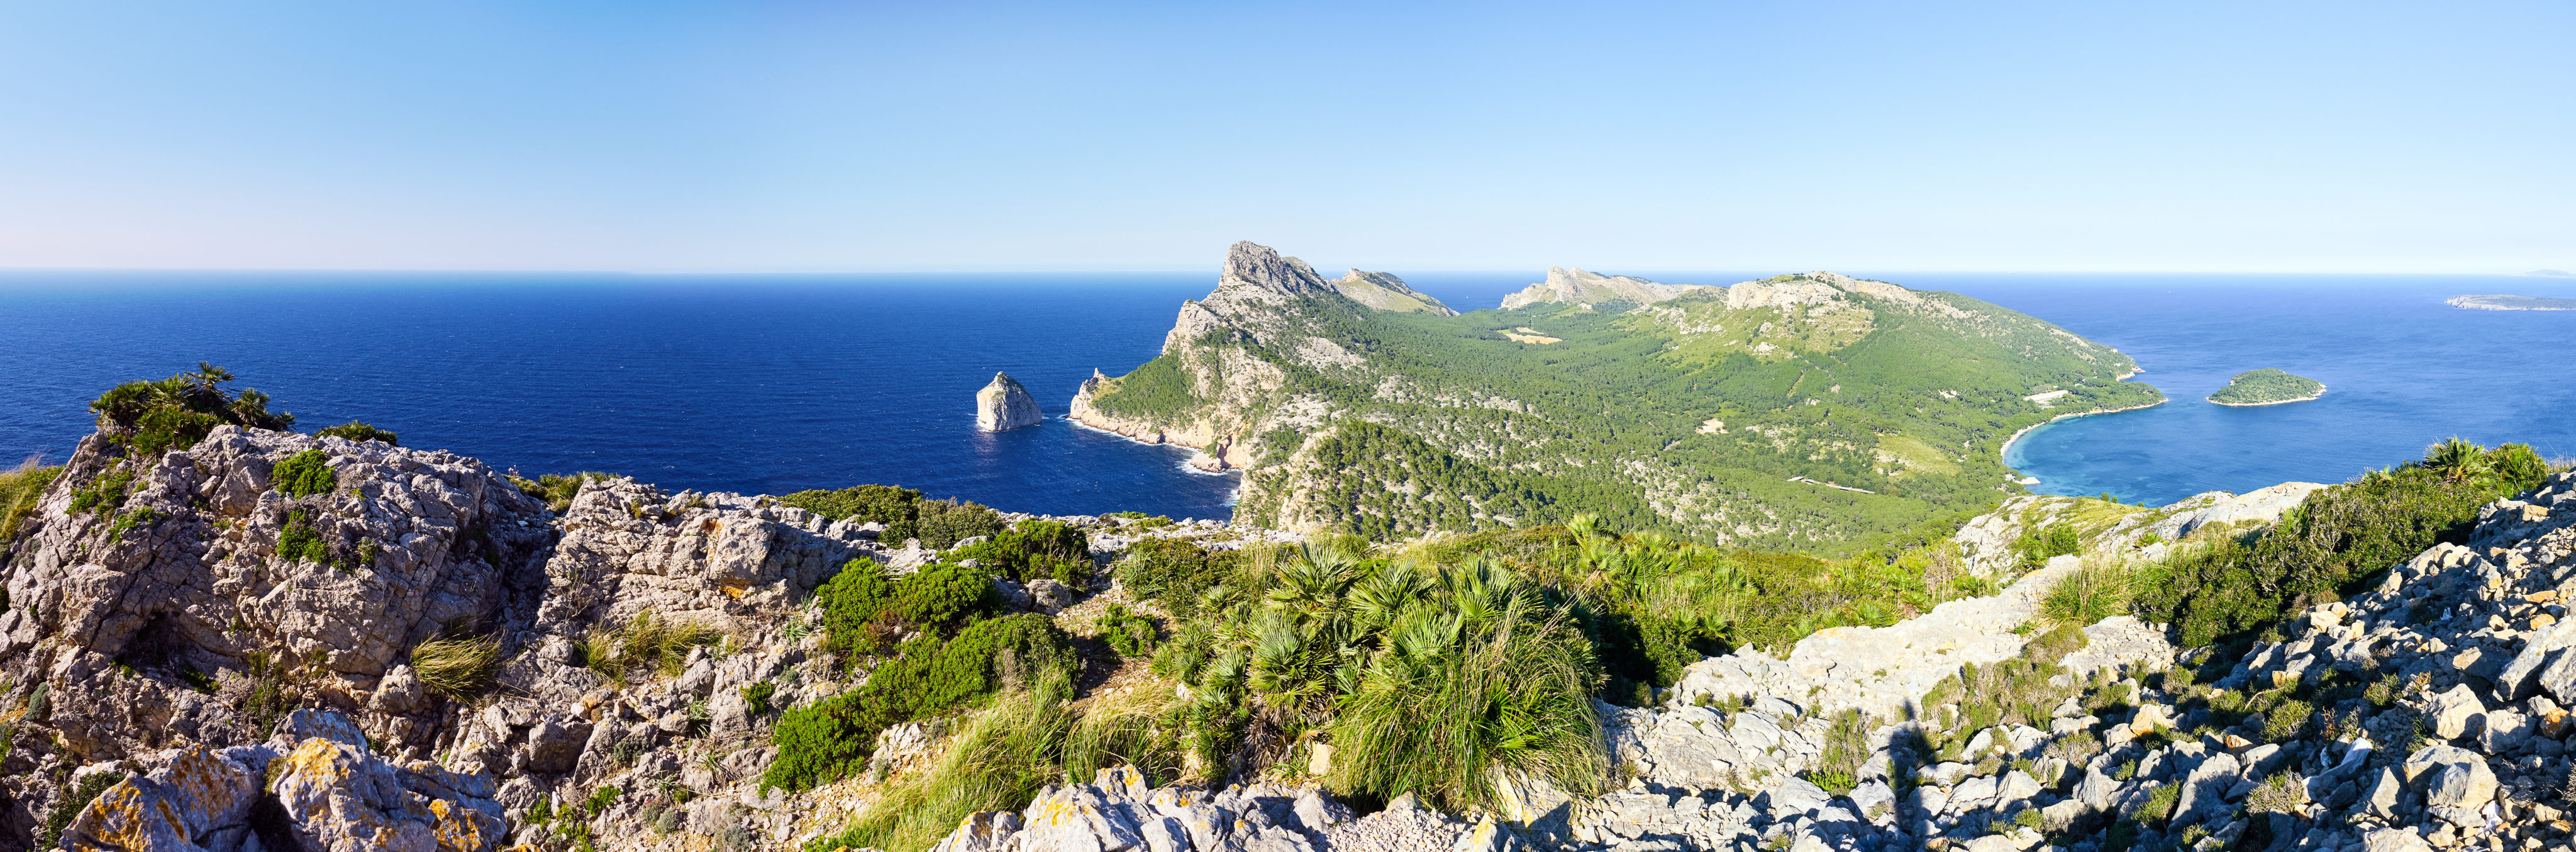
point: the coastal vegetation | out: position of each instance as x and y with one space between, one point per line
149 417
1722 421
2267 386
356 431
904 512
2229 588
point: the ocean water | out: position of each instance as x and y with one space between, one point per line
2401 369
751 384
771 384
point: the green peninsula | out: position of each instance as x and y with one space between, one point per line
2267 386
1802 411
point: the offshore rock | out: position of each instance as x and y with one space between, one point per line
1005 405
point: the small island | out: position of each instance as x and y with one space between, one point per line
2267 386
2505 302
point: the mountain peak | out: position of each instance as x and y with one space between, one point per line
1261 266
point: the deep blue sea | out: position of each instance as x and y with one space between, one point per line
771 384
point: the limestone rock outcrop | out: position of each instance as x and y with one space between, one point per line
1005 404
322 787
1579 286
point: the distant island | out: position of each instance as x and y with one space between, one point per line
2549 273
2267 386
2504 302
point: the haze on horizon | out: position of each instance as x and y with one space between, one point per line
808 136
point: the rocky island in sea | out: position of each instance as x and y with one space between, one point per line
2505 302
2267 386
1005 404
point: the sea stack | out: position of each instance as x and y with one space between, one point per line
1004 405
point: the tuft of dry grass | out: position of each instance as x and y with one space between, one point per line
458 667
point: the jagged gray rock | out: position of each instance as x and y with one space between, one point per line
1005 404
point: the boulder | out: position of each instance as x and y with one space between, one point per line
2450 777
197 799
2451 711
1005 404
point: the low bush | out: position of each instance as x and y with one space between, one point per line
2037 546
939 524
300 542
151 417
1031 550
832 738
304 474
1837 767
757 695
356 431
1174 573
2339 536
106 492
1128 632
860 602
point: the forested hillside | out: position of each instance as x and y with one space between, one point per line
1792 412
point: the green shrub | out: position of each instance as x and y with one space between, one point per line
126 521
757 696
305 474
1031 550
2159 805
356 431
2335 538
601 799
861 597
943 523
939 524
832 739
150 417
299 542
1174 573
1129 633
105 493
1837 767
825 741
459 668
943 594
1464 677
2037 546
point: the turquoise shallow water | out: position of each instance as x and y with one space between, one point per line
773 384
2401 368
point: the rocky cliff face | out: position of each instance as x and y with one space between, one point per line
1573 286
1005 404
189 601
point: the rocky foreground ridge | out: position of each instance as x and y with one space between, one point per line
203 652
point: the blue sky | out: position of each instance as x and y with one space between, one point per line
748 136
